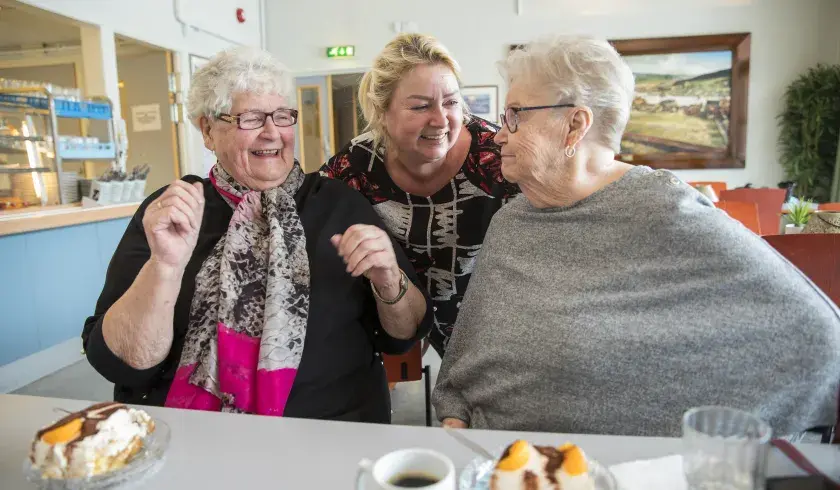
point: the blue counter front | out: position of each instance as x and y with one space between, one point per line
49 283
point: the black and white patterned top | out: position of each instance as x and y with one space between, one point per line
441 234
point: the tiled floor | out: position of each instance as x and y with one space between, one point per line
81 382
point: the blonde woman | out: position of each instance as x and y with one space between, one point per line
432 171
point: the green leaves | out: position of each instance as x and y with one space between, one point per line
809 130
800 213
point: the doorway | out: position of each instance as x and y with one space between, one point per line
348 121
147 96
329 117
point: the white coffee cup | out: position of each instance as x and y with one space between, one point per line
408 463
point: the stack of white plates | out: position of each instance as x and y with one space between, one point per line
70 187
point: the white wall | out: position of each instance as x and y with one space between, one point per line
154 22
829 30
785 42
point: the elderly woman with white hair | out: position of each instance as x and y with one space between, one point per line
258 289
610 298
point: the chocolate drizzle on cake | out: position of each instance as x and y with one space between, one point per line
506 453
554 461
93 414
90 416
97 413
531 481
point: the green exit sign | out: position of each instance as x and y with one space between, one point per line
341 51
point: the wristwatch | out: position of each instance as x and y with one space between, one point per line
403 290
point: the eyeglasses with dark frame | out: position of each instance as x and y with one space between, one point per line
510 117
256 119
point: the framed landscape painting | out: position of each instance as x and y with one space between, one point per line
690 104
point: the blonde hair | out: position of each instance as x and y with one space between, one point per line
400 56
582 71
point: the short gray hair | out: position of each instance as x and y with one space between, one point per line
235 70
582 71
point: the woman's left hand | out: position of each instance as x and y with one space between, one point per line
367 251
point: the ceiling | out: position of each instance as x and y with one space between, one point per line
25 32
23 29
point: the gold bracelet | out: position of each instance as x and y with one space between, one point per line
403 290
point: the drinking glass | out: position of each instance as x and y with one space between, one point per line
724 449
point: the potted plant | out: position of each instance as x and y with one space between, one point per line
798 215
809 130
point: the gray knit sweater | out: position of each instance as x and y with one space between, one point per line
617 314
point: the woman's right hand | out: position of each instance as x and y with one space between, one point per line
171 223
454 423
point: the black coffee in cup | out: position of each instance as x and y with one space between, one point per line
414 480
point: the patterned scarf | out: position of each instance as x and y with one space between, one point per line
248 316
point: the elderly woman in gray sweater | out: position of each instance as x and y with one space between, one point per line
610 298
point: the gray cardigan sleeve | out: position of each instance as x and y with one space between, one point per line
449 397
448 400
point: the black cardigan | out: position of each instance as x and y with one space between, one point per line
341 375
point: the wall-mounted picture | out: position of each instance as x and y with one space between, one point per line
689 106
483 101
196 62
681 103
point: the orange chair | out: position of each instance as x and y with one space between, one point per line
718 187
829 206
745 212
409 367
769 203
818 257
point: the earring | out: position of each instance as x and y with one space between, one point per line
570 151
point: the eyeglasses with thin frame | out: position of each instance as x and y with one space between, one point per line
256 119
510 117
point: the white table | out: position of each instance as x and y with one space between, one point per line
225 451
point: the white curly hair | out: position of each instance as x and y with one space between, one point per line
232 71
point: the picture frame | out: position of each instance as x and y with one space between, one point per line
196 62
483 101
690 104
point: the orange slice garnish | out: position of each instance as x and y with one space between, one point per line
516 458
574 462
66 433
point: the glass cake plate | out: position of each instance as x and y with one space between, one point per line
139 468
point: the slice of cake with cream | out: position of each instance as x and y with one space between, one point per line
96 440
524 466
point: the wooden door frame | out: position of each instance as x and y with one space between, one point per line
330 115
300 89
173 80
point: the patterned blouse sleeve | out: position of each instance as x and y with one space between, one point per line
338 167
485 163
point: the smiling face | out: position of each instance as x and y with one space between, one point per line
261 158
425 115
